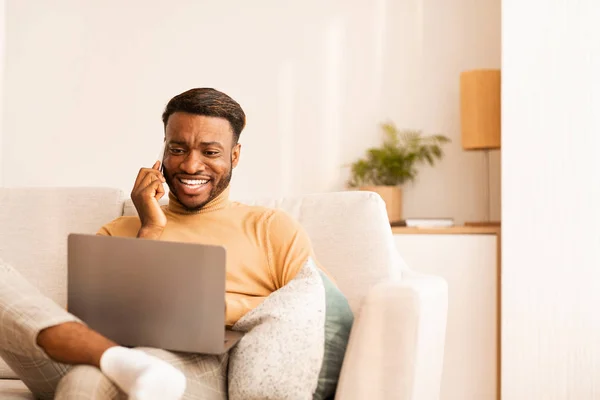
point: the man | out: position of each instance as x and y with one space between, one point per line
55 354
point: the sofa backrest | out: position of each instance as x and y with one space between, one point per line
35 223
350 234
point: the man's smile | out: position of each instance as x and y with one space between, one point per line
192 186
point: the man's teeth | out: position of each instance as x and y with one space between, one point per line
193 182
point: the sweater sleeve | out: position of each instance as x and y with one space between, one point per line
104 231
122 226
289 247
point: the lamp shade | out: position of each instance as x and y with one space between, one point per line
480 109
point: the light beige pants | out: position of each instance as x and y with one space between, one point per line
24 312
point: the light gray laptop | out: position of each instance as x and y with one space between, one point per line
150 293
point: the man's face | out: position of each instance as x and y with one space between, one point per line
199 157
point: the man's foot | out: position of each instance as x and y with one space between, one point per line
141 376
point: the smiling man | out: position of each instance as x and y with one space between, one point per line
265 250
265 247
202 129
216 138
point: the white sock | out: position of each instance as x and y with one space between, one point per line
141 376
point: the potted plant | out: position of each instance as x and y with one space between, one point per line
384 169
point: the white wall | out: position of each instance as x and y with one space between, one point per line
2 41
86 83
551 200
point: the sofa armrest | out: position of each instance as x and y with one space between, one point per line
396 346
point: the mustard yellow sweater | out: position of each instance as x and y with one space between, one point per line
265 247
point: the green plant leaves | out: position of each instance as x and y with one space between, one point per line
395 161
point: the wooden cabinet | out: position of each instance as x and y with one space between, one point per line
469 259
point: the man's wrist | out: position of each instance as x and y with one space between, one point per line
150 232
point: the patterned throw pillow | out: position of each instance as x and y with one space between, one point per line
281 354
294 343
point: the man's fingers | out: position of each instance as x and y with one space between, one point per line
149 178
144 171
145 174
153 189
141 175
160 191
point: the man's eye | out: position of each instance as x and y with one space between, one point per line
176 151
211 153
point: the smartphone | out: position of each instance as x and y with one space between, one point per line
161 156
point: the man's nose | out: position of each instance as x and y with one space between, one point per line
193 163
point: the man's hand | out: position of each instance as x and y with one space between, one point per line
147 191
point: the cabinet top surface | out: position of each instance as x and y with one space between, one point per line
455 230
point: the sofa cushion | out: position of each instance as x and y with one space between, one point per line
13 389
34 225
350 233
6 372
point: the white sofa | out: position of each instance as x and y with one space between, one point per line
397 342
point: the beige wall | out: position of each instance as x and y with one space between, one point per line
2 43
454 36
551 198
86 83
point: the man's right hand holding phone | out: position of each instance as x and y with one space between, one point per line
147 191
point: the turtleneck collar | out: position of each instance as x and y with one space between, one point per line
218 203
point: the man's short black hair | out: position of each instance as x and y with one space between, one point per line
208 102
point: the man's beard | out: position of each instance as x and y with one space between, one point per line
214 193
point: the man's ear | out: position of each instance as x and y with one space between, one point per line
235 155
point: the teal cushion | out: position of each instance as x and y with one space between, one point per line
338 322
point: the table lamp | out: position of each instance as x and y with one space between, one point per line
480 120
